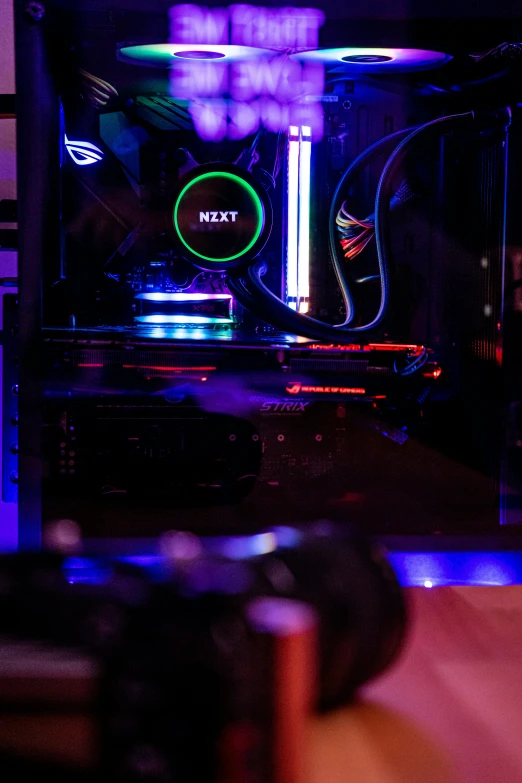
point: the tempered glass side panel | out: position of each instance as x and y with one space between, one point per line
278 287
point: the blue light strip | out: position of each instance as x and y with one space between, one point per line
414 569
432 569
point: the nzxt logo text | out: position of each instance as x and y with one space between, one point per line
284 406
212 217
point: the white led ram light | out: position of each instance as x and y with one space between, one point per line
298 220
292 244
303 258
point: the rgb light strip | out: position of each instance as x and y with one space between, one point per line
298 218
181 319
260 213
181 297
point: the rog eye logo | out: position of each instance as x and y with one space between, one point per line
294 389
83 152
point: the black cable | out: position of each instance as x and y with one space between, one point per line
359 163
236 286
256 296
382 204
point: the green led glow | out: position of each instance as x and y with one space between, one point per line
251 192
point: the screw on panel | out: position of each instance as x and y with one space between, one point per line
35 11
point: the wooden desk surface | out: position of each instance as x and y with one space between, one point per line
450 711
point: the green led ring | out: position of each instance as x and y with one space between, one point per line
251 192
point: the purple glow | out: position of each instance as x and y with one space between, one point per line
265 90
277 77
178 545
273 115
216 119
196 24
247 25
9 526
241 547
210 119
287 537
198 79
243 119
280 616
246 80
276 28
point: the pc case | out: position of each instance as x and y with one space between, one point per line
268 266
